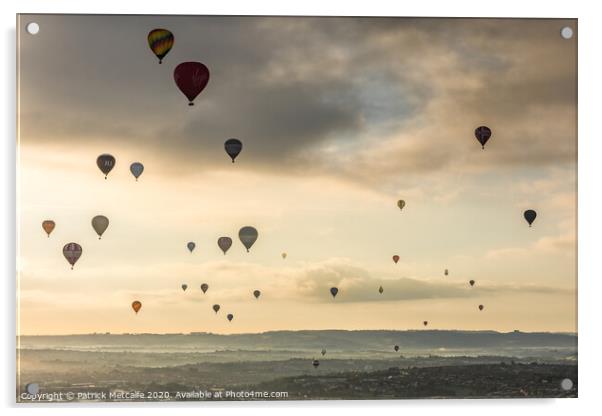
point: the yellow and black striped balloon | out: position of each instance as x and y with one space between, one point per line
160 42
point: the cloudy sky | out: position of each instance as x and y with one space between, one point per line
339 118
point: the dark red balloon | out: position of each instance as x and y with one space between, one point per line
191 78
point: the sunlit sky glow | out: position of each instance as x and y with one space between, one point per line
339 118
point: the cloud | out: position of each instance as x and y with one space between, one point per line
379 102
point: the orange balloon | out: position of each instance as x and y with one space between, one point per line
136 305
48 226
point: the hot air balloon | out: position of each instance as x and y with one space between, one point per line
216 308
425 323
323 352
100 223
471 282
224 243
446 272
396 348
481 307
315 363
230 317
204 287
381 290
482 133
256 293
401 203
396 258
160 42
184 286
530 216
248 236
283 255
191 78
136 305
105 163
72 252
48 226
334 291
191 246
233 148
136 168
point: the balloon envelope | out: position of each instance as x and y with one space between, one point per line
334 291
136 305
425 323
530 216
482 133
446 272
184 286
481 307
233 148
105 163
216 308
283 255
48 226
100 223
248 236
471 282
315 363
160 41
401 203
136 168
396 258
190 246
396 348
230 317
323 351
256 293
204 287
72 252
381 290
224 243
191 78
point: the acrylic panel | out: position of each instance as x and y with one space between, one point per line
217 208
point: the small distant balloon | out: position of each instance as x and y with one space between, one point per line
256 293
334 291
100 223
233 148
323 352
482 133
481 307
230 317
381 290
471 282
283 255
204 287
136 168
315 363
396 258
190 246
136 305
446 272
425 323
248 236
72 252
48 226
105 163
401 203
191 78
216 308
530 216
224 243
184 286
160 41
396 348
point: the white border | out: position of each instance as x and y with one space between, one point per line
590 189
